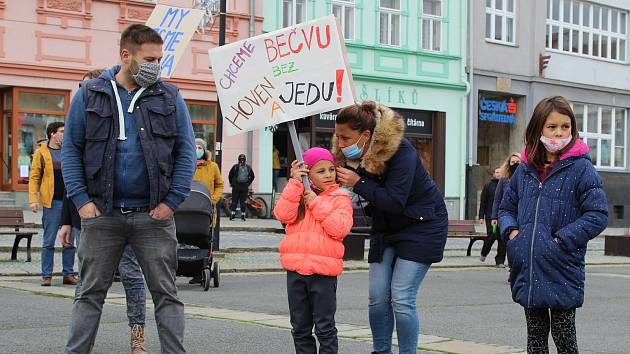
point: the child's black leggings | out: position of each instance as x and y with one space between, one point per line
313 301
562 325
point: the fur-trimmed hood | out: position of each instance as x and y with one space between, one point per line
388 134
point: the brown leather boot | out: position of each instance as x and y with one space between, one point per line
70 280
46 281
137 340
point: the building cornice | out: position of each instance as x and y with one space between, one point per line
402 51
74 74
547 81
423 83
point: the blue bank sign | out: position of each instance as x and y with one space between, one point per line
500 110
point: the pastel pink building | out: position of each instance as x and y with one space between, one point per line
46 46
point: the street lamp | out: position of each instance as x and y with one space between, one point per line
219 132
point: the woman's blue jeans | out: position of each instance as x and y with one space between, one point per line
393 288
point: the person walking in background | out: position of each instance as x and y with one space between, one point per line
129 159
209 174
409 217
128 267
46 188
277 166
553 205
317 221
485 217
507 170
241 177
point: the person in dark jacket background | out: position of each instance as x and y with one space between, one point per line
485 217
409 217
552 207
241 177
507 170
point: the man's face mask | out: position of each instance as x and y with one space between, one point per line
145 74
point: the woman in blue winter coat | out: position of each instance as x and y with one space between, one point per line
552 207
409 217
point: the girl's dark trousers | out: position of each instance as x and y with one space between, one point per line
313 302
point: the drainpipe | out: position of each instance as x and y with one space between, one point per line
471 74
252 30
470 96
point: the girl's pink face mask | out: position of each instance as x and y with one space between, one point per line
556 144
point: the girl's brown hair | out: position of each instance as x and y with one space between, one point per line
359 117
535 150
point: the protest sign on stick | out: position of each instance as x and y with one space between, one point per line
176 25
282 76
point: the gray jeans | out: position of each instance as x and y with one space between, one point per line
103 240
133 283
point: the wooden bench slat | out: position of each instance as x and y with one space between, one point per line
9 213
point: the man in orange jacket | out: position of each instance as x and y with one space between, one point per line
45 187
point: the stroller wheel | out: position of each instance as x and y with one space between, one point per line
205 279
216 274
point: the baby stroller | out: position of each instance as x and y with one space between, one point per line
193 222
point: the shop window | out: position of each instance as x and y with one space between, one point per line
35 110
501 21
389 22
483 155
581 28
7 137
203 117
42 101
344 10
324 140
604 129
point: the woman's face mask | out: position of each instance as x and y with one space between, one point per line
200 153
145 74
513 168
556 144
353 152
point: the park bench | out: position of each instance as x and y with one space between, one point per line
617 245
14 219
465 229
355 241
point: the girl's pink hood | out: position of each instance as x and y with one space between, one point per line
578 149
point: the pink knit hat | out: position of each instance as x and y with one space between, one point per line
316 154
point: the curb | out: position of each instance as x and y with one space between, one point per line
345 269
252 229
223 228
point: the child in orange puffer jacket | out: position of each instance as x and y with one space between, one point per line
312 251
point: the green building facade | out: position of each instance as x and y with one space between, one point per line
409 55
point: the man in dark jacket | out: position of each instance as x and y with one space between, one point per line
128 163
485 217
241 177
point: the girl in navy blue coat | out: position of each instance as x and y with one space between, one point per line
553 206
